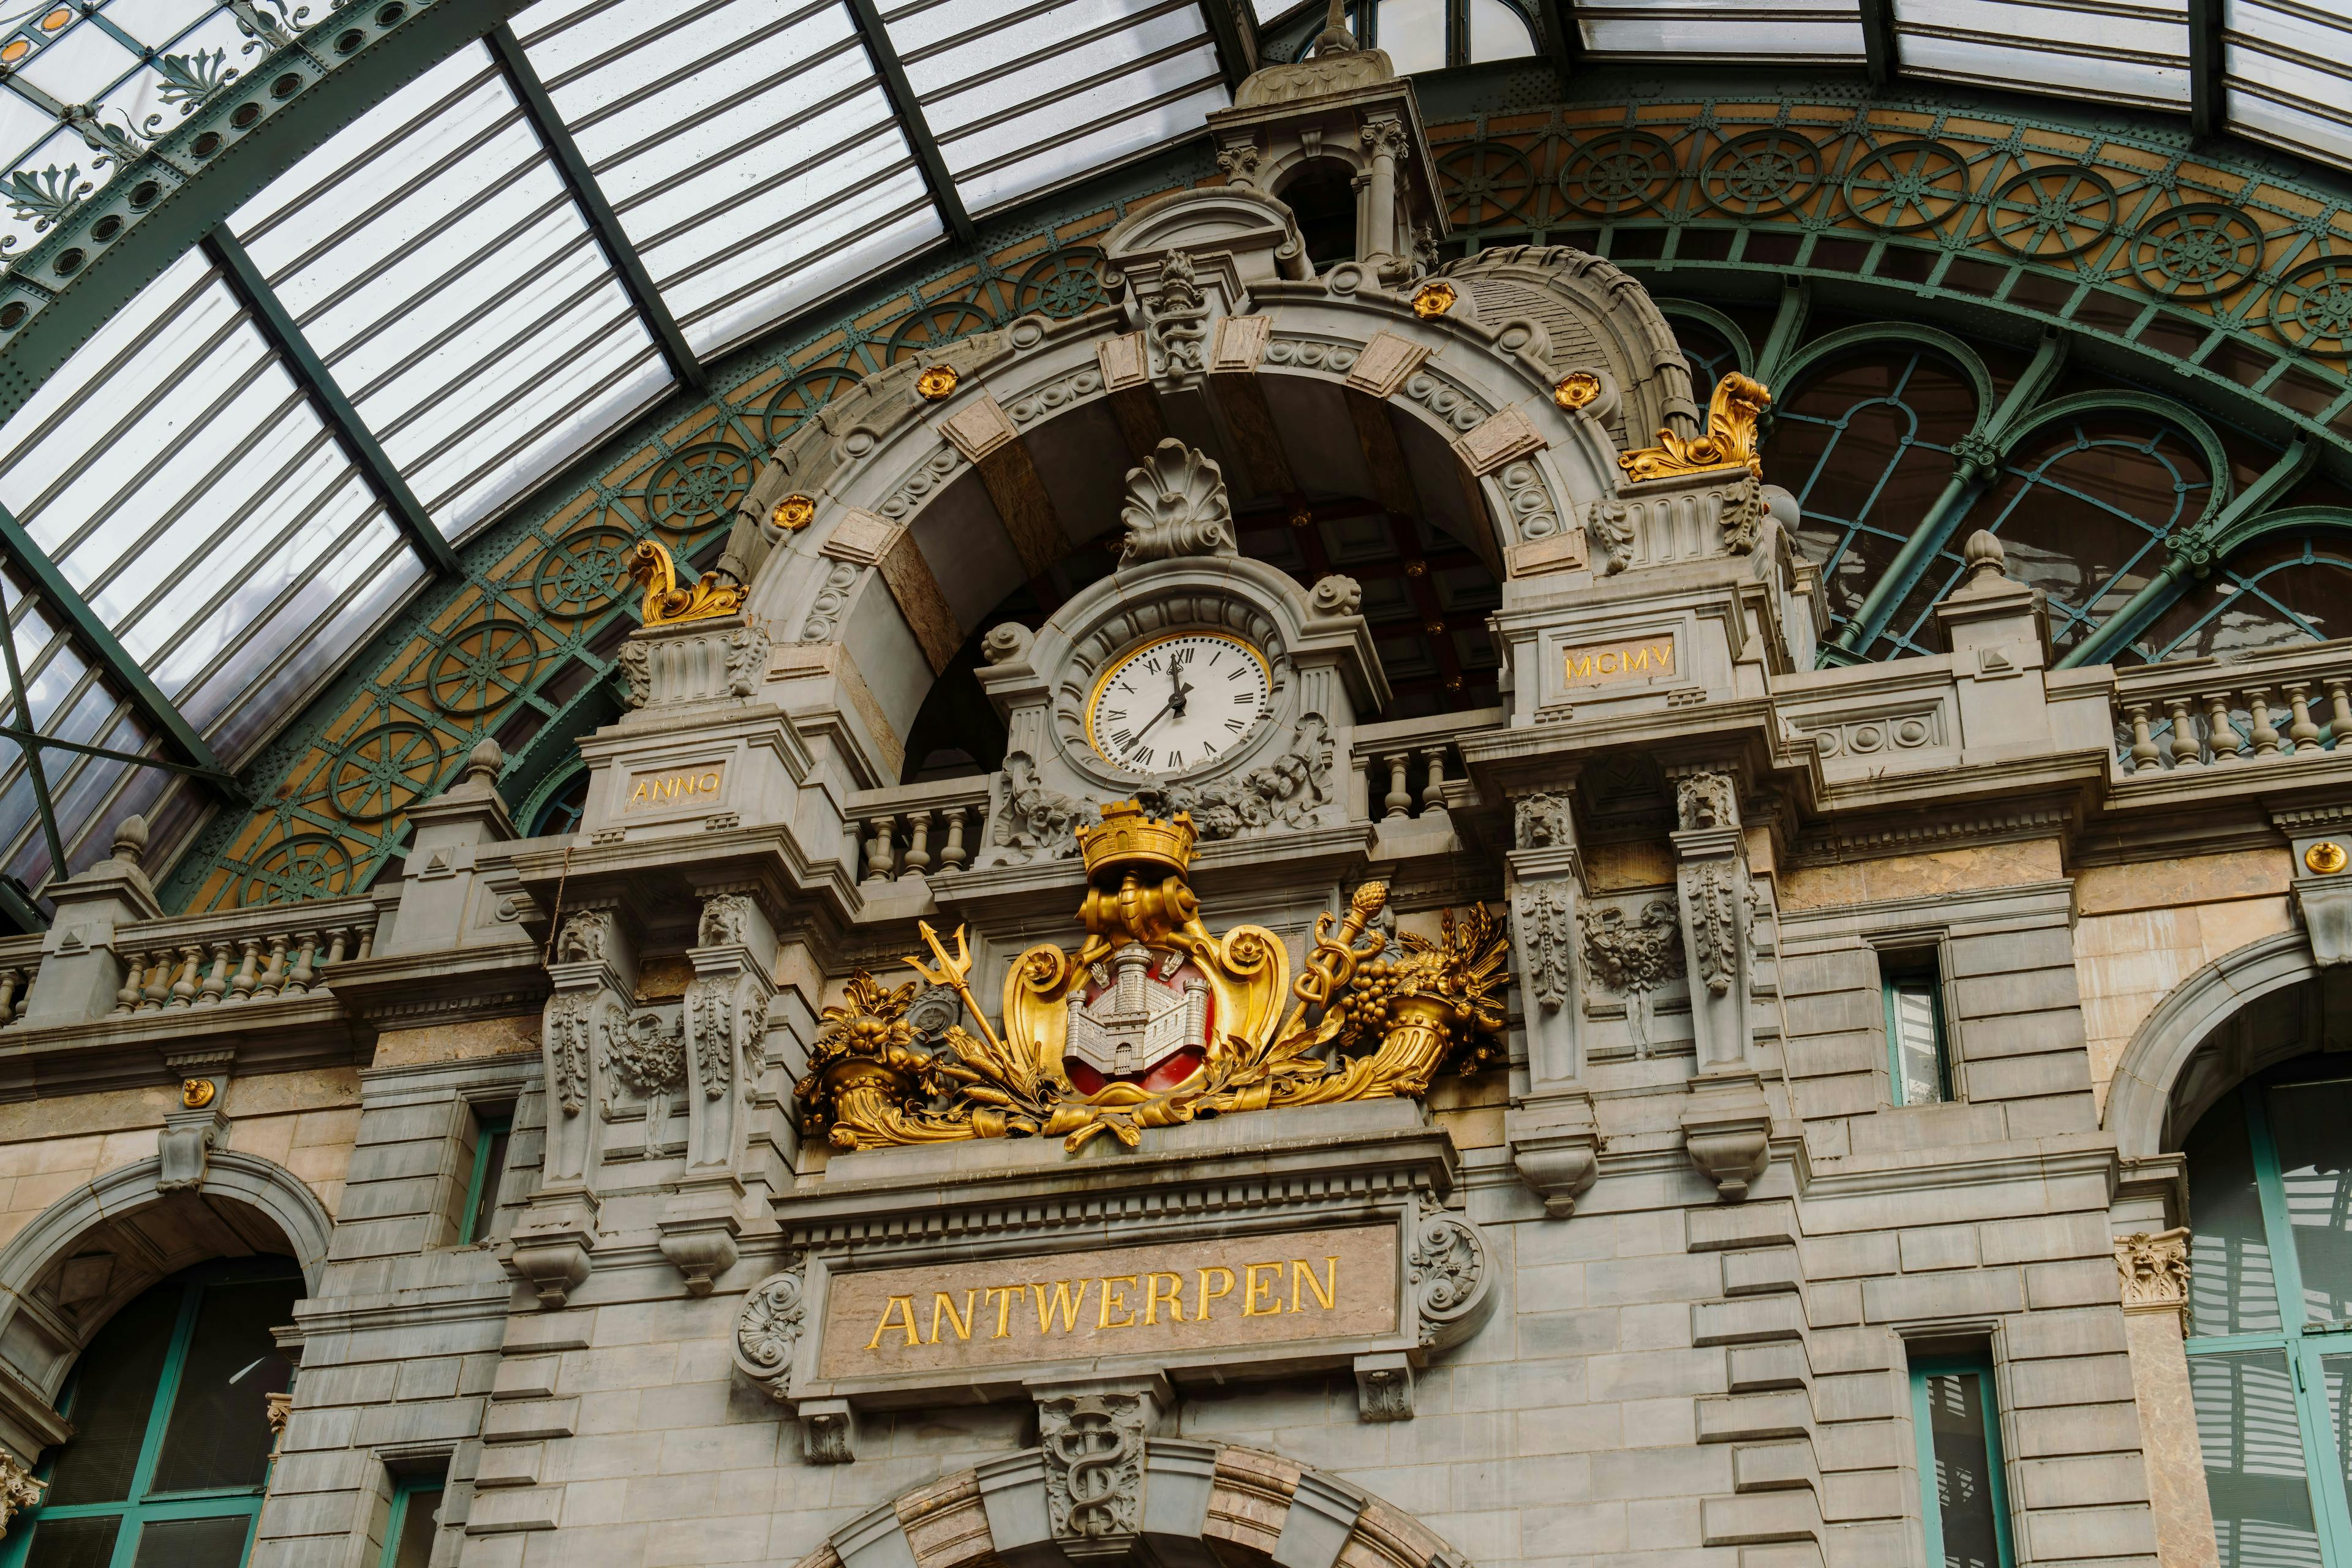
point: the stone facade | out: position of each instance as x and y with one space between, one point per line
1656 1275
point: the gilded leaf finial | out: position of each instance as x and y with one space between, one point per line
1729 442
665 602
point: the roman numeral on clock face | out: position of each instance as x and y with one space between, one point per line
1154 712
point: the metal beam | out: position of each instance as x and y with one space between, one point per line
99 645
1562 45
58 870
1235 37
589 198
63 287
1878 47
2207 104
310 372
867 19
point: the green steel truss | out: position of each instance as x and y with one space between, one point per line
2215 279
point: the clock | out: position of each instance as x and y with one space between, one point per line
1177 701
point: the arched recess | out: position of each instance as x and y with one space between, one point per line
2149 1078
93 1251
1201 1502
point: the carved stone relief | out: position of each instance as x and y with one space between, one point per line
1176 506
2153 1267
1288 792
1093 1447
1453 1286
1542 821
1176 323
1035 822
725 917
767 1332
1636 958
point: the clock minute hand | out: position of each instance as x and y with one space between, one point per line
1165 709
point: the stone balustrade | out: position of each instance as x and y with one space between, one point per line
1412 767
918 830
20 965
2286 702
243 955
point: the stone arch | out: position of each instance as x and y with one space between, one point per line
94 1249
1201 1502
2140 1096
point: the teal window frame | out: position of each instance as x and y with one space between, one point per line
1931 1507
2303 1347
1895 970
405 1490
486 1130
141 1509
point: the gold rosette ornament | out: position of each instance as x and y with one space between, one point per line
1152 1021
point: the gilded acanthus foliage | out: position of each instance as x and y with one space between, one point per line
1731 441
650 566
1364 1021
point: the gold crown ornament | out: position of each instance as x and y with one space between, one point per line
1129 837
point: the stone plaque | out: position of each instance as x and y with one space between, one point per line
675 789
1621 658
1174 1299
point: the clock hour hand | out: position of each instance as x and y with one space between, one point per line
1165 709
1176 679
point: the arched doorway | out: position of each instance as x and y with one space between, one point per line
170 1403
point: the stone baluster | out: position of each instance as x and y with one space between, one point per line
2339 712
2220 733
208 995
2184 733
248 969
337 939
12 981
2143 751
306 953
2263 736
273 974
877 848
1398 801
367 942
2302 735
954 856
1433 795
159 981
134 971
184 985
918 858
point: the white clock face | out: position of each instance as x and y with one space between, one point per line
1177 701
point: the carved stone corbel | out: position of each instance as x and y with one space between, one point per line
1452 1275
1091 1437
1384 1388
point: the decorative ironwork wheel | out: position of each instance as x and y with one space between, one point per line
2313 307
383 768
698 486
1760 173
2046 215
1907 186
1617 174
2197 251
1062 283
776 412
482 665
932 325
1488 182
306 866
583 571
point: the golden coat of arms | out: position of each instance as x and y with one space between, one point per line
1152 1021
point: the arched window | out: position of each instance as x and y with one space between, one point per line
2270 1295
1866 447
2290 587
172 1439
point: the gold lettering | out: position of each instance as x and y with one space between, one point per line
710 783
1326 1292
901 1304
1201 1302
1173 1296
1666 658
637 794
1607 664
1062 1302
1116 1302
1253 1288
1638 659
1011 1293
942 1302
1577 667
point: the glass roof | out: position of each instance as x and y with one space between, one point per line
517 251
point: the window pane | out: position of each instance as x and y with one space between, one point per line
219 1434
1964 1482
72 1543
114 1388
1918 1059
2308 1124
493 1157
412 1543
2337 1371
2230 1285
194 1543
2254 1460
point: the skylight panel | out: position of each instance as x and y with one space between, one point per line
2135 53
747 148
1032 96
1785 30
2287 77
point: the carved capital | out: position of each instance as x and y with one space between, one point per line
2153 1270
19 1491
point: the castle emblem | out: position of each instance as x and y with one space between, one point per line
1143 1019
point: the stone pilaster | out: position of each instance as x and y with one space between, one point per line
1728 1125
726 1026
1555 1141
2154 1270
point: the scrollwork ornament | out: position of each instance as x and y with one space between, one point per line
1544 936
767 1332
711 1013
1609 533
20 1490
1452 1284
636 666
747 660
1176 506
